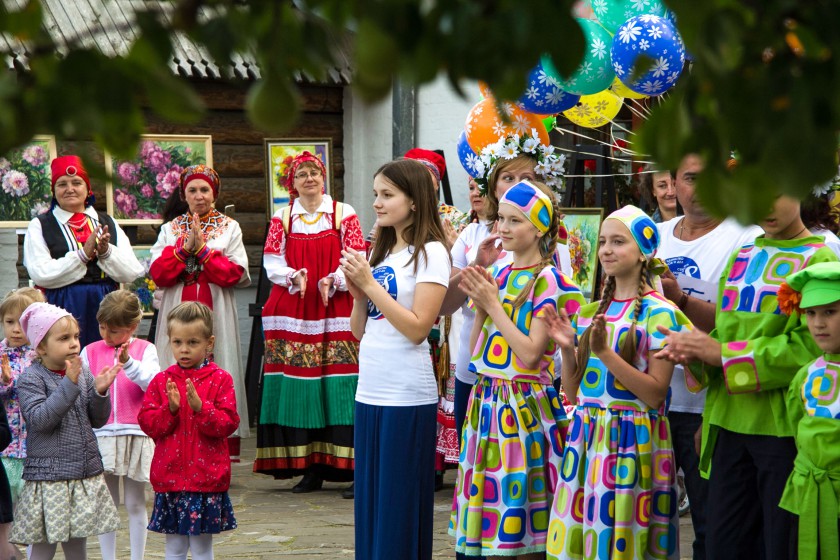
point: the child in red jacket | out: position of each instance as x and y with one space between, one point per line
189 410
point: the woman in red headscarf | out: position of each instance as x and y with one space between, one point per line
199 256
75 254
311 356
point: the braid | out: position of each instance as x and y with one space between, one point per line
628 347
583 343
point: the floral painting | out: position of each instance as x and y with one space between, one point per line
25 188
139 189
279 154
144 287
584 226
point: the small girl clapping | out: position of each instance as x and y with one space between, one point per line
126 450
189 410
64 497
15 356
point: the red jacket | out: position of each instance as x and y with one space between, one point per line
191 452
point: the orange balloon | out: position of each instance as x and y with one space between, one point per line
484 89
485 126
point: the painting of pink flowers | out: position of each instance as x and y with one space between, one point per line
139 188
25 182
584 226
279 153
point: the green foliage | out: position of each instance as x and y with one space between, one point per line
763 81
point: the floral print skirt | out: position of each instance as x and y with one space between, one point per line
192 513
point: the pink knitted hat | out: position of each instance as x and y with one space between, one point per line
38 318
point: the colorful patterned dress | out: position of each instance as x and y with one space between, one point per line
13 456
617 492
311 356
512 439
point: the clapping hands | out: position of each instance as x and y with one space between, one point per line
195 238
193 399
480 286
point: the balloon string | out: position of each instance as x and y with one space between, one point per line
636 112
610 175
641 106
572 132
583 154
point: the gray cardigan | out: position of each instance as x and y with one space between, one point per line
60 416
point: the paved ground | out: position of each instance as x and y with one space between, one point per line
276 524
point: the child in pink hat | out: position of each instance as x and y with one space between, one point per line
64 497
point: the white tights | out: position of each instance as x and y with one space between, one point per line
134 498
74 549
200 545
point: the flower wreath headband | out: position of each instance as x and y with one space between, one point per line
549 165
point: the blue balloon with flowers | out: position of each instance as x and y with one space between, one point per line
544 96
468 158
657 39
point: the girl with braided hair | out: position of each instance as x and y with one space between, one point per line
511 442
616 497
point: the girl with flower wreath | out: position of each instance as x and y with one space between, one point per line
748 363
200 256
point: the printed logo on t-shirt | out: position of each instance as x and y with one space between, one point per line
387 279
683 265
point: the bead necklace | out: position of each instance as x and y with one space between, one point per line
314 221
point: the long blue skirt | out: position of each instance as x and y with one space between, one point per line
395 481
82 301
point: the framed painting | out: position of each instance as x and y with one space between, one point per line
144 287
137 190
25 189
584 226
279 153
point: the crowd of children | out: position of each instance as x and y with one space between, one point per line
82 420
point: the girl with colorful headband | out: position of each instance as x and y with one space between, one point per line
75 254
200 256
617 491
479 244
511 444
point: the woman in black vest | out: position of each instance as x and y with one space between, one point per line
75 254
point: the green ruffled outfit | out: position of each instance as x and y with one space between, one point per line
813 489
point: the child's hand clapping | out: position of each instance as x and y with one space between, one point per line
174 396
192 397
123 354
598 338
106 378
559 326
5 370
479 285
73 368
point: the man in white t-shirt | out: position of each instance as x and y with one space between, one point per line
696 248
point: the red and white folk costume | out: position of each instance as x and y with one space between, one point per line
311 355
208 277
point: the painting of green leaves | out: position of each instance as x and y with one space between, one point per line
25 189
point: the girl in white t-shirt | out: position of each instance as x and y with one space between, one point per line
397 297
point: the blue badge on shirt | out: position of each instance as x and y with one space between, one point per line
387 279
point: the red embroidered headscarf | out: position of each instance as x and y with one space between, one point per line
201 171
432 160
70 166
304 157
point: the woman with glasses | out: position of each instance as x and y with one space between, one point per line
311 357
